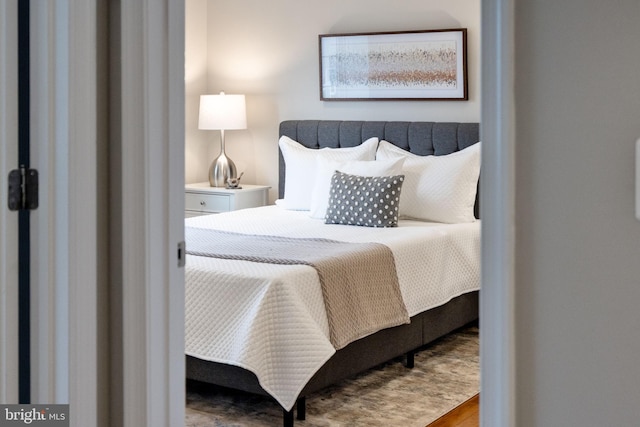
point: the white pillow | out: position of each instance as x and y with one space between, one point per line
325 169
300 163
437 188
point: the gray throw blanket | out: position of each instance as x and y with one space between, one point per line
359 280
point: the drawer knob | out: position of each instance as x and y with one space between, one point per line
203 203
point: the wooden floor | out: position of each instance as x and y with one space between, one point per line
465 415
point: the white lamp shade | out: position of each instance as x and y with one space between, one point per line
222 112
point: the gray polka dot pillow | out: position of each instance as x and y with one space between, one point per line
364 200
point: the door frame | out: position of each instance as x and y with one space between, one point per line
497 204
147 212
8 219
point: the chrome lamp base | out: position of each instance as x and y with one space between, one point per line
221 169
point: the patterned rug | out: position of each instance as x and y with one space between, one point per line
446 373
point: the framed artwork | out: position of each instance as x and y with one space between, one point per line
408 65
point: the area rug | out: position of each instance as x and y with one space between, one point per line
446 374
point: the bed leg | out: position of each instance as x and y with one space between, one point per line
411 359
287 418
301 405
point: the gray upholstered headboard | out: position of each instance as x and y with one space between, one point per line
423 138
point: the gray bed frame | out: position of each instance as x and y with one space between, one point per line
423 138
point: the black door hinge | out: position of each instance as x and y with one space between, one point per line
23 189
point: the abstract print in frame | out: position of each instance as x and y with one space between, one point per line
408 65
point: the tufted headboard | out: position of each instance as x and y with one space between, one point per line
422 138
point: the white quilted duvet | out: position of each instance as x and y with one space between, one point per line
270 319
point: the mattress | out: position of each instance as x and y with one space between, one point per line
270 319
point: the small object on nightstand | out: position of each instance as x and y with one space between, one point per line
234 183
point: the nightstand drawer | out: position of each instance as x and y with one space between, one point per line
207 202
202 199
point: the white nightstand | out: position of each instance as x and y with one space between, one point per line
202 199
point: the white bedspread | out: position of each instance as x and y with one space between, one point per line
270 319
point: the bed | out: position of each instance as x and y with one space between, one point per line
271 333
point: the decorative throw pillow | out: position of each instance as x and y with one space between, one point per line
325 169
364 200
437 188
300 163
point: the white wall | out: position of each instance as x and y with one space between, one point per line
578 243
198 148
269 51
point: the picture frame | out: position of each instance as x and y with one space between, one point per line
402 65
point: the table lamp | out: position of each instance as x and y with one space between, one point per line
222 112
